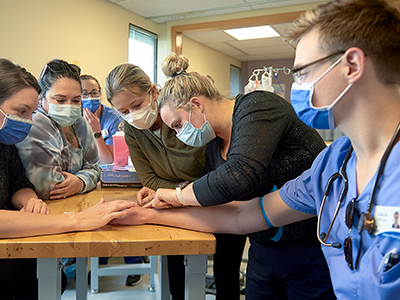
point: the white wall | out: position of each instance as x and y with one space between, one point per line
92 33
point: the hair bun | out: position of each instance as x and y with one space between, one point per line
175 64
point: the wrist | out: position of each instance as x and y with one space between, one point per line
179 196
83 186
72 221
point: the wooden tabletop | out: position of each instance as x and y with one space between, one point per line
108 240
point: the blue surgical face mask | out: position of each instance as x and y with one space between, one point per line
91 103
301 99
196 137
14 129
64 114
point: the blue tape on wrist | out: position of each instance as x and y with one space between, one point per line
278 235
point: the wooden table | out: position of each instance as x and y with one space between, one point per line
145 240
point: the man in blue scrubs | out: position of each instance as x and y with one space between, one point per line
347 75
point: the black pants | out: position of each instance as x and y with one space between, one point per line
227 259
18 279
287 273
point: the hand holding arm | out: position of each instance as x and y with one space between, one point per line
166 198
145 195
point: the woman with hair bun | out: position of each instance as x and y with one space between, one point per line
255 144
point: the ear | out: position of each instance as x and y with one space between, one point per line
354 60
154 92
197 102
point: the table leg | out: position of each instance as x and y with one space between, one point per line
195 277
49 277
164 280
81 278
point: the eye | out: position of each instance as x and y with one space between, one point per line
177 125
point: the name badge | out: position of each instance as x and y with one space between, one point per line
104 133
387 221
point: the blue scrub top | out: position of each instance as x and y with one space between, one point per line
111 120
305 194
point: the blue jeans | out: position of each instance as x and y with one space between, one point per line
127 259
292 273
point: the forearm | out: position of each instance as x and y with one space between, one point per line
105 151
21 224
224 218
21 197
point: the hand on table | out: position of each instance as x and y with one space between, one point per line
36 206
145 195
70 186
102 213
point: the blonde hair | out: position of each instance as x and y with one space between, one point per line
183 86
371 25
125 77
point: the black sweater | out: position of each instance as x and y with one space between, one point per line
12 175
269 146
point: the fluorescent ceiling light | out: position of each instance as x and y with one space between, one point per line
248 33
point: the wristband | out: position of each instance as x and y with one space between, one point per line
179 195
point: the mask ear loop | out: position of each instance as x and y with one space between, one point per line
190 113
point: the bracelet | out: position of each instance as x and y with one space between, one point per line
179 195
264 214
83 185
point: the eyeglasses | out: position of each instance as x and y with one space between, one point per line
365 220
296 72
59 67
93 93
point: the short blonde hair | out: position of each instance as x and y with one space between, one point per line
125 77
178 90
371 25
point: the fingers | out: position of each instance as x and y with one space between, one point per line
36 206
146 200
148 204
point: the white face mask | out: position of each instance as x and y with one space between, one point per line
142 118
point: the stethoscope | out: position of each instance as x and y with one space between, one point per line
366 220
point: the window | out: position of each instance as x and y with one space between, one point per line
143 50
235 82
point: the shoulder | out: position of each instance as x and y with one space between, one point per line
111 119
260 100
111 112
